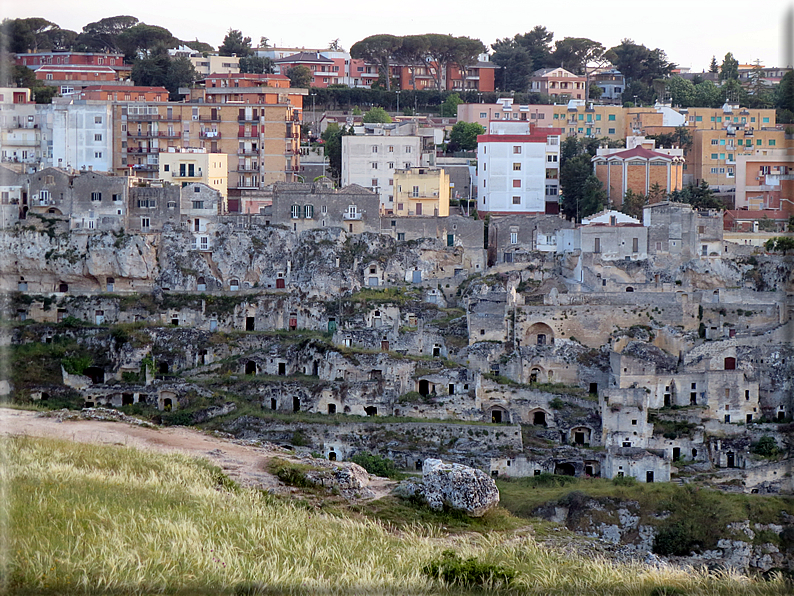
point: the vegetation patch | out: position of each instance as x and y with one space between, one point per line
468 573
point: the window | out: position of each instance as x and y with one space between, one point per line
715 156
597 245
96 196
516 167
516 183
765 120
516 149
198 204
374 182
513 237
698 118
415 191
391 148
400 206
771 142
516 200
635 245
408 148
144 222
611 118
391 165
374 165
97 155
401 236
308 211
97 119
551 190
551 158
324 209
611 131
295 211
552 140
374 148
715 141
98 137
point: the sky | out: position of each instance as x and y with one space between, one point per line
689 31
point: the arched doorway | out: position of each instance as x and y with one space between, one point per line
565 469
539 334
499 416
96 374
371 411
730 363
250 367
539 418
424 387
168 404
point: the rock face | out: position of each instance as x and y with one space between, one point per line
459 487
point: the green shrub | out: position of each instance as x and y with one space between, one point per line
376 464
667 591
467 573
299 439
290 473
765 447
179 418
76 364
698 520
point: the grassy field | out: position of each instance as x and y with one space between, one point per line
110 519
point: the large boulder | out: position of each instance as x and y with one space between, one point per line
455 486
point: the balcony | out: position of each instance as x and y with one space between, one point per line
347 216
143 150
142 134
145 167
143 117
216 118
186 174
210 134
249 169
248 152
169 134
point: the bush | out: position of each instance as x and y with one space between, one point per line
290 473
765 447
376 464
698 520
468 573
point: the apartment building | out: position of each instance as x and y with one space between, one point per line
505 109
579 118
370 160
207 65
23 132
421 191
765 180
35 60
714 151
557 83
82 135
518 169
261 140
729 115
189 166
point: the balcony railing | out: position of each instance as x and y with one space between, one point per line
351 216
217 118
253 168
210 134
168 134
186 174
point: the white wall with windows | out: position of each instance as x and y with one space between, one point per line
82 136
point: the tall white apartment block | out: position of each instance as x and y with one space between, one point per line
82 135
370 161
518 169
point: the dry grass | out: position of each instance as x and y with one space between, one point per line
94 519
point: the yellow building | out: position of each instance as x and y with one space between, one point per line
421 191
729 115
195 165
207 65
713 154
582 119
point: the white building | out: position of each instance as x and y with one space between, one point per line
25 135
370 161
82 135
518 169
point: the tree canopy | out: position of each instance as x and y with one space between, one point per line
641 66
730 68
699 196
433 50
332 147
256 65
102 35
463 136
299 76
160 70
144 40
375 115
235 44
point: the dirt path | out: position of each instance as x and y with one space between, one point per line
243 463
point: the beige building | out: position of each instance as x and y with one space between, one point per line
421 191
207 65
195 165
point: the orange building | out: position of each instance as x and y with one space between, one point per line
638 169
116 93
765 180
558 83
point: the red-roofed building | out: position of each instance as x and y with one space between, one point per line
325 71
247 88
638 168
115 61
